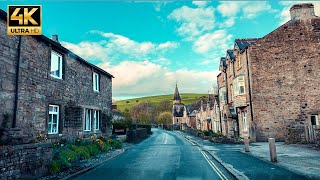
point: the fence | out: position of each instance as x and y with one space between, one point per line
312 134
309 134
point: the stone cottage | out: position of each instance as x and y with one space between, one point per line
272 81
46 90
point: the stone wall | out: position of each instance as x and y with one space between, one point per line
8 57
27 161
303 134
37 89
136 135
285 72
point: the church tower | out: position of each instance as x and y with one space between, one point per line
177 109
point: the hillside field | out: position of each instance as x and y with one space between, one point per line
187 98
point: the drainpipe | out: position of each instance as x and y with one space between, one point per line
226 77
14 120
249 85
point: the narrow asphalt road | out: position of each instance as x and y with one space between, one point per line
164 155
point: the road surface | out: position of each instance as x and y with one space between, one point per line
164 155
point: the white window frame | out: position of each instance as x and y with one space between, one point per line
237 83
60 65
53 113
96 119
96 80
222 94
317 122
87 119
244 121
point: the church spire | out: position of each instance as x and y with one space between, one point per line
176 96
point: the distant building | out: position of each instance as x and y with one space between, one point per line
117 116
177 109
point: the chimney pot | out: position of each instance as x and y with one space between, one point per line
55 38
302 11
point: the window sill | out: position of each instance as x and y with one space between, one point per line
55 77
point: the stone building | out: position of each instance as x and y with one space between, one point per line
177 110
46 90
271 82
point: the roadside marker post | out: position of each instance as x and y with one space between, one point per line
273 152
246 144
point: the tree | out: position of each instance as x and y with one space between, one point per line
165 118
127 118
143 112
163 106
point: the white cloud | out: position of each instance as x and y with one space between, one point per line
229 22
206 62
213 42
115 46
284 15
86 49
147 78
249 9
193 21
200 3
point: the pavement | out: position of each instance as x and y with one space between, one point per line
296 157
252 167
164 155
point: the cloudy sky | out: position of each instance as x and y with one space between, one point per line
148 46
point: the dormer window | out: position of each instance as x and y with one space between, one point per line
96 82
56 65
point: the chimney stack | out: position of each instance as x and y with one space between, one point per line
55 38
303 11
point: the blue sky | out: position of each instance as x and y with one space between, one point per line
148 46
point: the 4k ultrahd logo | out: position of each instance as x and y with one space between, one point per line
24 20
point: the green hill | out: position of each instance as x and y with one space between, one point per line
187 98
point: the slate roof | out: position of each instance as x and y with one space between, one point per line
211 100
230 54
223 64
117 113
192 114
243 43
192 107
176 95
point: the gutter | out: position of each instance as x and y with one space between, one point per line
249 85
14 121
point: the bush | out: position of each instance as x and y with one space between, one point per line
217 135
102 144
69 155
116 144
55 166
93 149
119 126
147 126
82 152
207 133
82 149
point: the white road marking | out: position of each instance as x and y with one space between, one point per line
212 165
